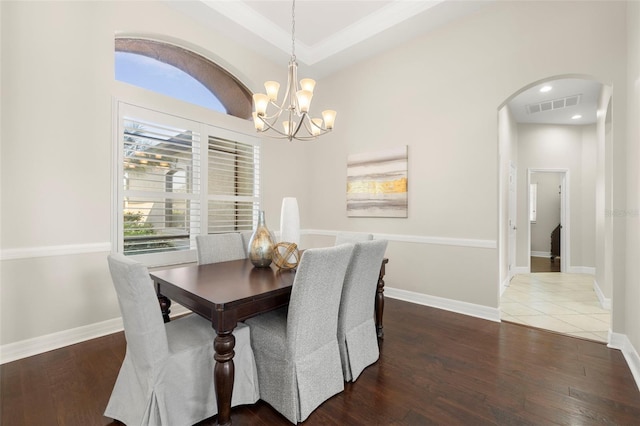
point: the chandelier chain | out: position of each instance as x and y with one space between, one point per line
293 30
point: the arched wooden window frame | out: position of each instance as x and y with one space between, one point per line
233 95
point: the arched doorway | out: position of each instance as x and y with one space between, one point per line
554 125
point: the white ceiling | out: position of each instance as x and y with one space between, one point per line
523 106
333 34
330 34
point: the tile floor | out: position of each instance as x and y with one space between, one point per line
566 303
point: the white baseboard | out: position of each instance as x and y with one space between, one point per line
604 302
590 270
521 270
505 284
478 311
37 345
622 342
546 254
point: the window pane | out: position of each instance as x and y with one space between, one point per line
163 78
157 225
160 171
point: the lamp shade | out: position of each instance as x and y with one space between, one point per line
329 118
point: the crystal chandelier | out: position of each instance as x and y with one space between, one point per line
293 112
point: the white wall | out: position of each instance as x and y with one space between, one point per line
439 94
631 320
57 86
543 146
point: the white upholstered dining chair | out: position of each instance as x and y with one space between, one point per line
213 248
296 349
352 237
357 335
166 377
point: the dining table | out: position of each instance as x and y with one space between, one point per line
226 293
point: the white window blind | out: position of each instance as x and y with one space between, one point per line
233 185
180 178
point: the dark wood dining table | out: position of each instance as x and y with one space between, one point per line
225 293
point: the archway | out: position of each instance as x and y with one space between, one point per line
533 116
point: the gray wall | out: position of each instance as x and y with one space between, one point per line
560 147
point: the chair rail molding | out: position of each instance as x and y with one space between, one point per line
47 251
420 239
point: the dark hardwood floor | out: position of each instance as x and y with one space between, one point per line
544 264
436 367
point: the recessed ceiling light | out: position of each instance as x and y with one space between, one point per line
545 89
576 117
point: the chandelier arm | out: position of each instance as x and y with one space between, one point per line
309 126
299 125
269 126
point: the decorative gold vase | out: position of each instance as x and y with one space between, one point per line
261 244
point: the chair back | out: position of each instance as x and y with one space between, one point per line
214 248
312 319
352 237
357 335
143 324
360 283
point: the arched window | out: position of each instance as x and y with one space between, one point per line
180 172
166 70
166 79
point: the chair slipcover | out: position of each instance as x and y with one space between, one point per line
215 248
297 350
352 237
357 335
166 377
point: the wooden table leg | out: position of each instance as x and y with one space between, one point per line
379 305
165 304
223 373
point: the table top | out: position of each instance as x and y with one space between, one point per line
224 284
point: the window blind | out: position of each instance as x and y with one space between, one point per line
181 178
233 185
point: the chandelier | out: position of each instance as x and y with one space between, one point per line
293 113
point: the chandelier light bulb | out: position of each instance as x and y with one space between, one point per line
304 100
329 116
261 101
289 127
316 127
307 84
272 88
257 122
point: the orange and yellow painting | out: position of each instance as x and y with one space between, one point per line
377 183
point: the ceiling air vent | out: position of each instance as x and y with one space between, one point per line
568 101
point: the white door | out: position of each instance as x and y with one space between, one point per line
512 219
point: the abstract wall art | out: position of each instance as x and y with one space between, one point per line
377 183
